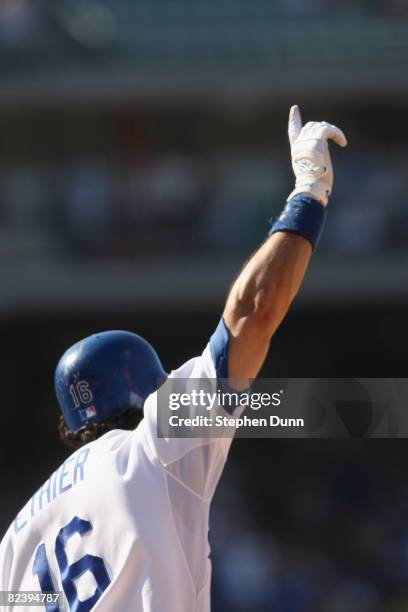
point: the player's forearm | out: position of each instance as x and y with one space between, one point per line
261 296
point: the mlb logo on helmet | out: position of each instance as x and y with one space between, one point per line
87 413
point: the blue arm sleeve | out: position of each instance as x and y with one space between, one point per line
219 349
219 353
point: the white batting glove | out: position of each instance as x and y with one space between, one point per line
311 157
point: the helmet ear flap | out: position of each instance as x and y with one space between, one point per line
104 374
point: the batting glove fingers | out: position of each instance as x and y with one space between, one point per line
311 161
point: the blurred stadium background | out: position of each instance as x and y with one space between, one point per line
143 147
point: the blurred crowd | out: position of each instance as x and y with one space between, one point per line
179 204
24 23
332 534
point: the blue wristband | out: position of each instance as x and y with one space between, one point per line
302 215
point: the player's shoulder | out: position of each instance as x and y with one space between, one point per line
112 439
109 441
107 448
119 444
117 452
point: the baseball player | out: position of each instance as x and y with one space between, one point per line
122 524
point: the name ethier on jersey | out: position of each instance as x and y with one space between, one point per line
68 475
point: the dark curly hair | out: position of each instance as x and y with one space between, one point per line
127 419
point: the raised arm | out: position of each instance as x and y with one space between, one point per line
268 283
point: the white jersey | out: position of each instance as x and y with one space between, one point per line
122 525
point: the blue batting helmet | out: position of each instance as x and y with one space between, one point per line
105 374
